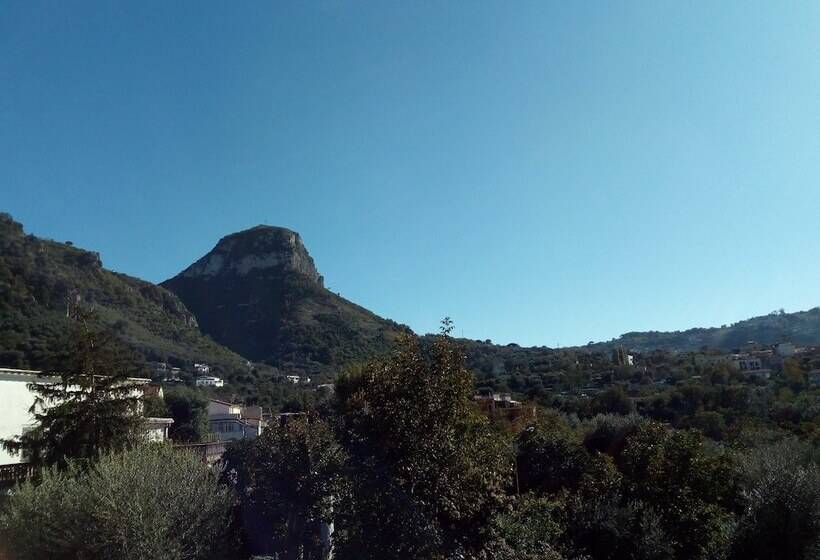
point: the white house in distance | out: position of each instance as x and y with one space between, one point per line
229 421
156 429
16 399
209 381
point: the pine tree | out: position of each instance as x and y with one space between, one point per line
91 408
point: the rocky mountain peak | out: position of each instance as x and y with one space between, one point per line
258 249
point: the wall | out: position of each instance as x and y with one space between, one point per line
15 400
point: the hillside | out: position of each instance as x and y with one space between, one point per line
802 327
258 292
39 276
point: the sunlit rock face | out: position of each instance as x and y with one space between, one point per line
263 248
258 293
242 291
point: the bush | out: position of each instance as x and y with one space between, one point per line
782 517
147 503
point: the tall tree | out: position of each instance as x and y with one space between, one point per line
287 479
91 407
427 470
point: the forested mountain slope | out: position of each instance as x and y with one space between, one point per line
39 277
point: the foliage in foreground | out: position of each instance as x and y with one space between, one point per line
286 480
426 471
405 467
149 503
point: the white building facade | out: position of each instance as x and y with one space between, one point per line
16 400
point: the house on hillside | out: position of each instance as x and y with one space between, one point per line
502 405
16 399
152 390
228 421
209 381
156 429
785 349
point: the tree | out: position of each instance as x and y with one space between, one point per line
148 503
711 423
427 470
694 490
188 408
287 479
612 401
550 456
91 408
793 374
782 498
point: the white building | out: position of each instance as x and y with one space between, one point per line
297 379
16 400
156 429
202 369
209 381
228 421
785 349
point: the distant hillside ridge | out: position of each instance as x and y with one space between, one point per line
259 293
38 277
801 327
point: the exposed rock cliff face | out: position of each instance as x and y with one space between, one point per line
258 292
262 249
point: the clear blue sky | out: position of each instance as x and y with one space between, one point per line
543 172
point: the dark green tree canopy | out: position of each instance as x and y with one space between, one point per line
92 407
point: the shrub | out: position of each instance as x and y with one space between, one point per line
782 517
147 503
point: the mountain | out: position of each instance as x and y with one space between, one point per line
38 277
259 293
802 327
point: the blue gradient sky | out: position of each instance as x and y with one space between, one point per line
543 172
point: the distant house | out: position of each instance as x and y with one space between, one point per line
16 399
209 381
785 349
297 379
751 365
229 421
503 405
202 369
156 429
152 391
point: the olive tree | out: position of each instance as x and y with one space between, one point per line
151 502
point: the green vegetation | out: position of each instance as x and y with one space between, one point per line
149 503
39 279
189 409
802 327
287 480
404 466
427 470
92 407
280 313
